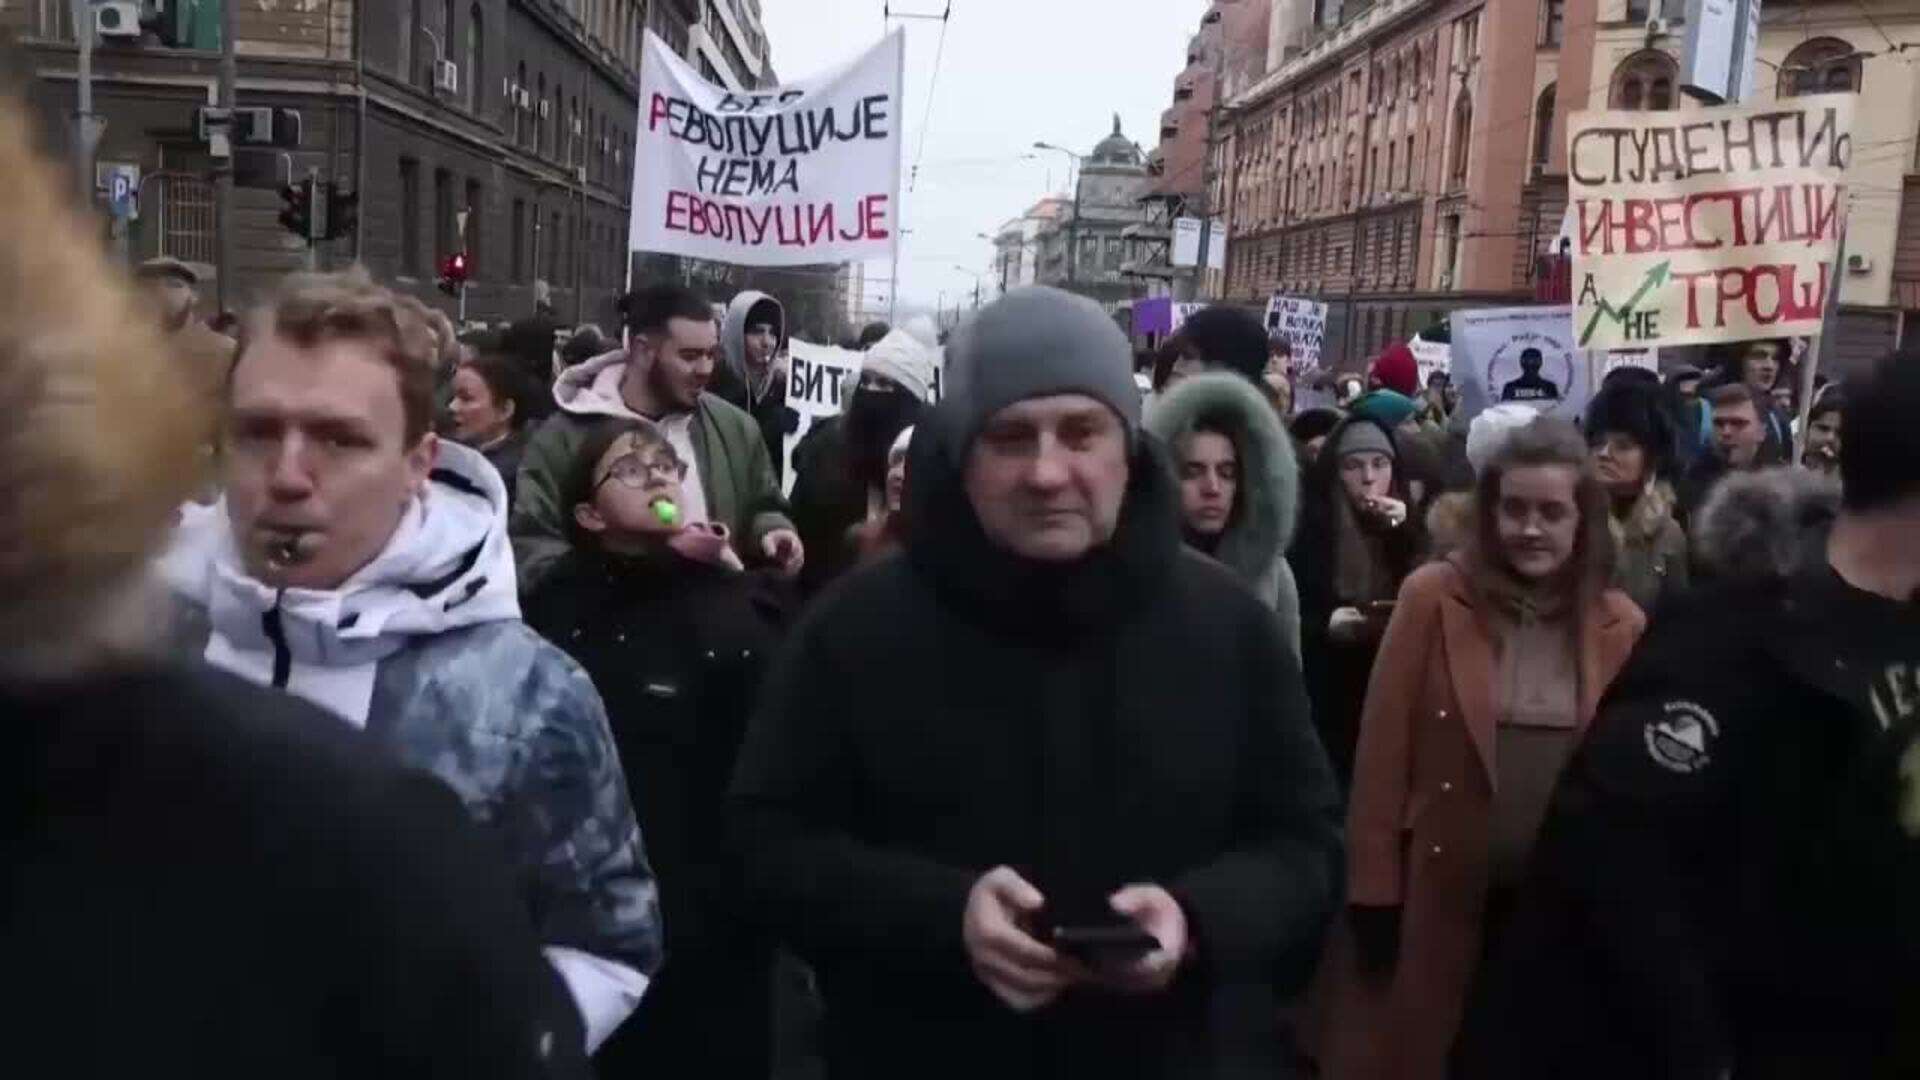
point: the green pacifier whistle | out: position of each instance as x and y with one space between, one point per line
666 511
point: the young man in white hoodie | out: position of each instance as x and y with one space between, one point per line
360 563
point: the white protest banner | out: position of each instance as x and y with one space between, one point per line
1186 241
1302 324
799 174
1705 226
1520 354
820 378
1430 356
1645 359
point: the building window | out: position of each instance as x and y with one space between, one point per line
1553 18
476 73
409 30
1821 66
1642 10
410 217
1644 82
476 220
1449 251
553 249
517 271
1462 142
443 223
520 125
573 131
1407 183
448 43
1543 129
540 108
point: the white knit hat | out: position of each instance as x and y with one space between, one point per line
1492 428
900 357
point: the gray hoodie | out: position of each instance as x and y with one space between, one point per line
733 342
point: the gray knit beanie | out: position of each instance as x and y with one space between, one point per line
1361 437
1034 342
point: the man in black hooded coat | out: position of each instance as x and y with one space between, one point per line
961 716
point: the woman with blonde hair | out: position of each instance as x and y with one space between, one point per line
1490 669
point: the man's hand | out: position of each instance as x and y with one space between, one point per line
1019 970
782 546
1154 910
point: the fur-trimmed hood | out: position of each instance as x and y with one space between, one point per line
1765 524
1263 524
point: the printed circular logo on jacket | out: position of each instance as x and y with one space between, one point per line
1681 738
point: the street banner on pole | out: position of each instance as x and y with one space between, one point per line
1302 324
1524 355
800 174
1692 228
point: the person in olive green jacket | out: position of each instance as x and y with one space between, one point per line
660 378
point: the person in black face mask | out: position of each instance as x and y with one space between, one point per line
840 468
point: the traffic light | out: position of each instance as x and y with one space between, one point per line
296 209
343 211
453 273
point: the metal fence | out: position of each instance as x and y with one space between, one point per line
183 208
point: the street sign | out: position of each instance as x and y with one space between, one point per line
121 182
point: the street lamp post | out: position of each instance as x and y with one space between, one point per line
977 279
1073 223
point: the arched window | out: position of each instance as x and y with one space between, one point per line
1461 144
1644 82
476 73
1821 66
1543 129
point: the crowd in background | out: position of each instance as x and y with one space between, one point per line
393 700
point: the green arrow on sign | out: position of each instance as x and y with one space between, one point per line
1656 277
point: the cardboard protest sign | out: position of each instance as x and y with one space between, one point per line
1706 226
800 174
1526 355
820 378
1303 323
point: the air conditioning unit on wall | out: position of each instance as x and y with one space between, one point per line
546 109
521 98
1859 264
446 76
1658 27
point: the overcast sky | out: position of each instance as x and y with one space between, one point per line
1013 72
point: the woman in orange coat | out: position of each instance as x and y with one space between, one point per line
1489 672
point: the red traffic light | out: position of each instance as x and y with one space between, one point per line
453 272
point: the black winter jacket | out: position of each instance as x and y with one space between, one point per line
825 504
1131 718
1723 880
206 878
677 649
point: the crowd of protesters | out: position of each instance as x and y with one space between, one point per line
389 701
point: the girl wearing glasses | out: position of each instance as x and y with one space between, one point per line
674 636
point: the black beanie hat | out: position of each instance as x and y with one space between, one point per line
1228 337
1633 408
1314 423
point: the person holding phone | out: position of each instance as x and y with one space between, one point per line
1358 541
1040 797
1493 663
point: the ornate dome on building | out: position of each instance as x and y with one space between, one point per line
1116 150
